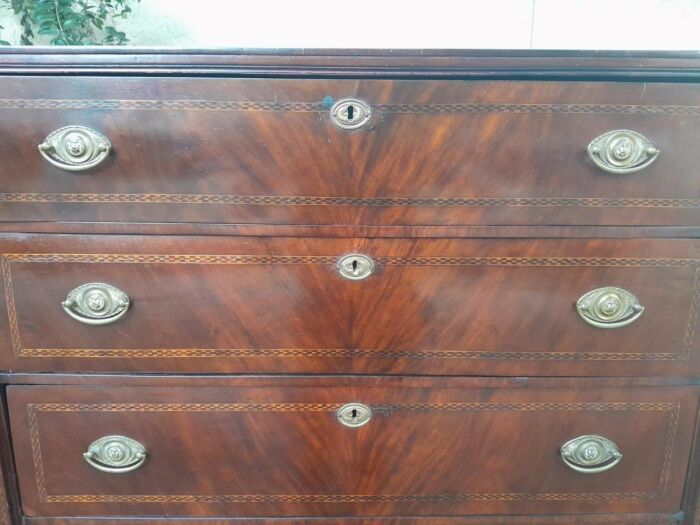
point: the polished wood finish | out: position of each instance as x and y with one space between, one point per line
589 519
357 63
6 480
264 151
222 210
281 452
350 230
489 306
348 380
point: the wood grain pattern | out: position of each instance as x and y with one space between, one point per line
264 151
607 519
6 474
222 210
281 452
347 380
644 66
692 490
4 510
350 230
449 306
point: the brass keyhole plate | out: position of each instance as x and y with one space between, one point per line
355 266
350 113
354 415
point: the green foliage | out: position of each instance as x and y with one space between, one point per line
70 22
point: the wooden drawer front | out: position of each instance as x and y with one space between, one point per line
279 305
245 451
266 151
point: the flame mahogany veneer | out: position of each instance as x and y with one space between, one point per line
222 209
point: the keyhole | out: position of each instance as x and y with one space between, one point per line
355 267
354 415
351 112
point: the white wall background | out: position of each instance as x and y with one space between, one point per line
522 24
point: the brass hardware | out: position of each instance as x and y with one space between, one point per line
355 266
622 151
350 113
75 148
609 307
115 454
590 454
96 303
354 415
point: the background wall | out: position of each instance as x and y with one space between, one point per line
544 24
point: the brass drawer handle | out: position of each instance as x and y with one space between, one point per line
350 113
622 151
590 454
115 454
609 307
355 266
354 415
75 148
96 303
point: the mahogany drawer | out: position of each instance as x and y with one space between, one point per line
280 450
280 305
266 151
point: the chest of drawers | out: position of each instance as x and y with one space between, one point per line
349 288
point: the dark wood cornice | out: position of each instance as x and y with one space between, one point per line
354 63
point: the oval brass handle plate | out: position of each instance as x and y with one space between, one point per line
350 113
354 415
96 303
355 266
590 454
622 151
75 148
115 454
609 307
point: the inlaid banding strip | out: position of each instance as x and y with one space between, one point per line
341 353
139 258
345 498
305 107
377 202
333 407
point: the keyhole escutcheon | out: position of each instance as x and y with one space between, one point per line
354 415
355 266
350 113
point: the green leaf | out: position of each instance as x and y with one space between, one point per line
71 22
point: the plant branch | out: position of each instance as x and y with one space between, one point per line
70 22
58 21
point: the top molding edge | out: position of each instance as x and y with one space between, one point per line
354 63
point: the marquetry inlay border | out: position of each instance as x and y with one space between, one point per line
322 106
33 409
373 202
6 260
